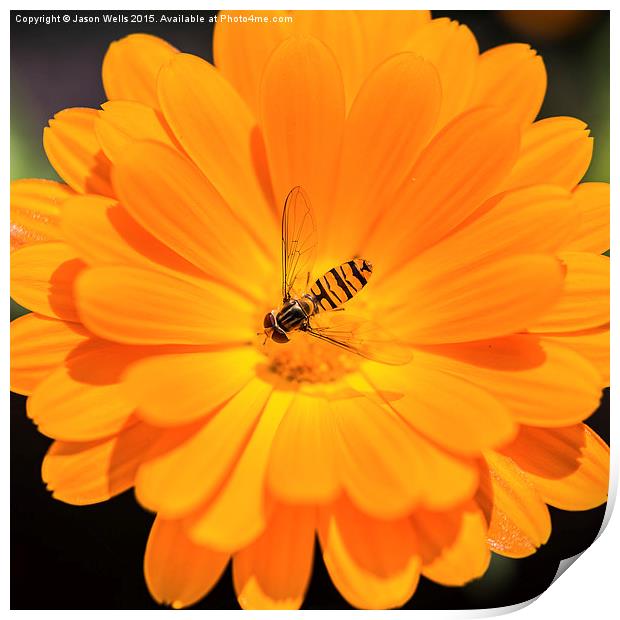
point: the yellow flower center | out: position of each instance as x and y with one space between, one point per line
303 360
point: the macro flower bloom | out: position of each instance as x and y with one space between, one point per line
150 269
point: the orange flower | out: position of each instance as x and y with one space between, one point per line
150 271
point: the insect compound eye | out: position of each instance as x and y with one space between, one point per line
279 336
269 321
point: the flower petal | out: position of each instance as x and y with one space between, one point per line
164 309
387 469
359 41
43 279
541 382
35 210
491 299
72 147
386 33
518 519
456 172
341 32
82 399
241 50
173 481
511 77
554 150
391 120
177 571
453 50
303 459
84 473
591 200
175 389
238 515
453 544
593 344
425 397
131 66
537 219
170 198
38 346
274 571
584 303
102 232
123 122
374 564
302 118
569 466
218 131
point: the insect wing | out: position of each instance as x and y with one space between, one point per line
360 336
299 240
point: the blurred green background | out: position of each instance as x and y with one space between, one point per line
58 66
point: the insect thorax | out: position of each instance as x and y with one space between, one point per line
294 314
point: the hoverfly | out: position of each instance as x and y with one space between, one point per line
299 309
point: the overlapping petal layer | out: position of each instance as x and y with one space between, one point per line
131 66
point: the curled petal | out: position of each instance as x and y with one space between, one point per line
518 519
569 466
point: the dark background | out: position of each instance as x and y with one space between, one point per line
67 557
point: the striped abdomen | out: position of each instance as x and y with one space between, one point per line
340 284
